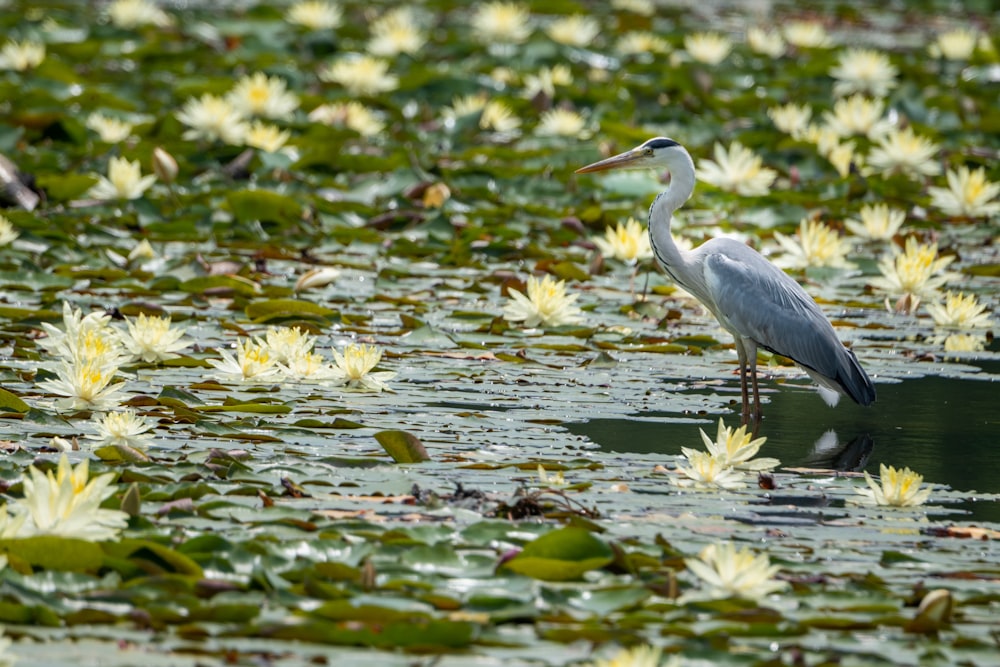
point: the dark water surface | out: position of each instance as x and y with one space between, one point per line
946 429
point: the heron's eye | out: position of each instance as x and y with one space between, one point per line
647 151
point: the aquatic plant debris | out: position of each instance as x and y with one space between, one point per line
266 398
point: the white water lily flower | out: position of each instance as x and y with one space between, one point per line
736 448
110 130
545 81
968 194
130 14
503 22
152 339
315 14
864 71
627 242
253 362
705 471
354 367
124 181
710 48
21 56
731 573
895 488
641 43
546 304
258 94
212 118
124 428
7 232
878 222
360 75
67 504
737 169
85 385
816 244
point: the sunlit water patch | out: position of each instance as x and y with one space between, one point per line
945 429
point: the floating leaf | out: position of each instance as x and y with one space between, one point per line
274 309
55 553
11 402
561 555
403 447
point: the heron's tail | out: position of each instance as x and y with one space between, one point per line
854 382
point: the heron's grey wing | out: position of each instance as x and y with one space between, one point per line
757 300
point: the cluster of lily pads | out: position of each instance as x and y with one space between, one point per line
201 200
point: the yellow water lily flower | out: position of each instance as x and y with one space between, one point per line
575 30
792 119
806 34
643 655
499 117
212 118
878 222
130 14
110 130
504 22
68 504
124 428
895 488
917 271
315 15
560 122
265 136
705 471
731 573
352 115
252 362
396 32
354 367
124 181
864 71
959 311
7 232
21 56
736 448
955 44
857 114
641 42
737 169
85 385
904 151
710 48
258 94
765 42
360 74
627 242
152 339
546 304
816 244
968 194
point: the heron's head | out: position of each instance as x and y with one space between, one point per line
658 153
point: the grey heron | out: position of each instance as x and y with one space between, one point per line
754 300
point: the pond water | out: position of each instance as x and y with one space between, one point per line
946 429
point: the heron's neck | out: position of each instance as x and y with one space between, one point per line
667 253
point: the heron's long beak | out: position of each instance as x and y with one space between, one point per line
620 161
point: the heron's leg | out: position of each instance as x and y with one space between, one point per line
742 356
757 414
